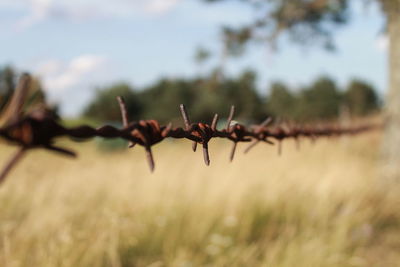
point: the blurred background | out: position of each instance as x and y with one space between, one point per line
161 53
297 61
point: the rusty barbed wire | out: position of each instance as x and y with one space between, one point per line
40 129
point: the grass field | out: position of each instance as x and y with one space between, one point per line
321 206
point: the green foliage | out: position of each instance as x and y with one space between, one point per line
104 106
322 100
361 98
319 101
281 102
206 96
203 96
217 97
75 122
201 55
7 84
305 22
162 100
248 101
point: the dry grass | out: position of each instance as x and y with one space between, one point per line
322 206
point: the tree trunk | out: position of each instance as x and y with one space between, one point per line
391 141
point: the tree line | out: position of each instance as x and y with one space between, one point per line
322 99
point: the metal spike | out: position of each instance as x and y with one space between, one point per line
124 115
194 146
251 146
230 118
214 122
61 150
167 130
266 122
233 151
150 159
11 163
187 123
205 154
13 110
185 116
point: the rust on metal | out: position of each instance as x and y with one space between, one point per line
39 129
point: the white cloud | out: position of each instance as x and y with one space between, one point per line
59 76
72 82
40 10
160 6
49 67
86 63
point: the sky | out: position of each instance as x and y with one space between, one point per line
76 46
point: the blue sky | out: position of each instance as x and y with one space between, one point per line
77 45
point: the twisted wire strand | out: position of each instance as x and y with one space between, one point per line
40 129
32 132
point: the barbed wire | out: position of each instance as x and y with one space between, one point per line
40 129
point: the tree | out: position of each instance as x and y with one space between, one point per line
306 22
201 56
240 92
7 84
319 101
391 144
281 102
314 21
360 98
161 100
104 106
244 96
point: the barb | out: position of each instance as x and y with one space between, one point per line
261 136
187 123
124 115
230 118
13 161
40 130
13 110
